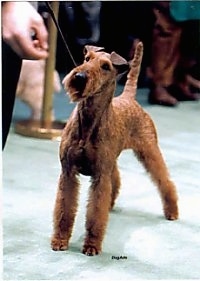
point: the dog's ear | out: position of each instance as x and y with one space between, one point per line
88 48
119 62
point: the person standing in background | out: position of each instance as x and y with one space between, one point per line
168 66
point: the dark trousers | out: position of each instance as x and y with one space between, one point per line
11 66
166 39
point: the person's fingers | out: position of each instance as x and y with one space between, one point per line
41 35
27 48
26 35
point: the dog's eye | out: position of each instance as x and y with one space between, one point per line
105 66
87 58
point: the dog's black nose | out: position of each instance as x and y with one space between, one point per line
80 76
79 81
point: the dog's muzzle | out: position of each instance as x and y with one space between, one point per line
79 81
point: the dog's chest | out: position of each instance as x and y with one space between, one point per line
83 138
82 158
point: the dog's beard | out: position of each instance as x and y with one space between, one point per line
75 85
82 88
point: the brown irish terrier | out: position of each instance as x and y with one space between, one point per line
99 128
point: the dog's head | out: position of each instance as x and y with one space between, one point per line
96 75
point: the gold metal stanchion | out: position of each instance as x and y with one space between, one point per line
45 128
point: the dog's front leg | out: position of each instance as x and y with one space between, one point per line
97 214
65 211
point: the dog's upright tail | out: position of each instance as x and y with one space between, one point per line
132 77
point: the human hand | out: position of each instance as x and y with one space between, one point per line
24 30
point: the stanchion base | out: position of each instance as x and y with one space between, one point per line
34 129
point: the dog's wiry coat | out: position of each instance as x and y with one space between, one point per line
99 128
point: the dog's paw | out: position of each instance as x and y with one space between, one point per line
90 250
171 217
59 244
171 214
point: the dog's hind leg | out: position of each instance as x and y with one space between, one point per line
115 180
65 211
97 214
150 156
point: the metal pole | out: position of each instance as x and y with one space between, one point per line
46 119
46 128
